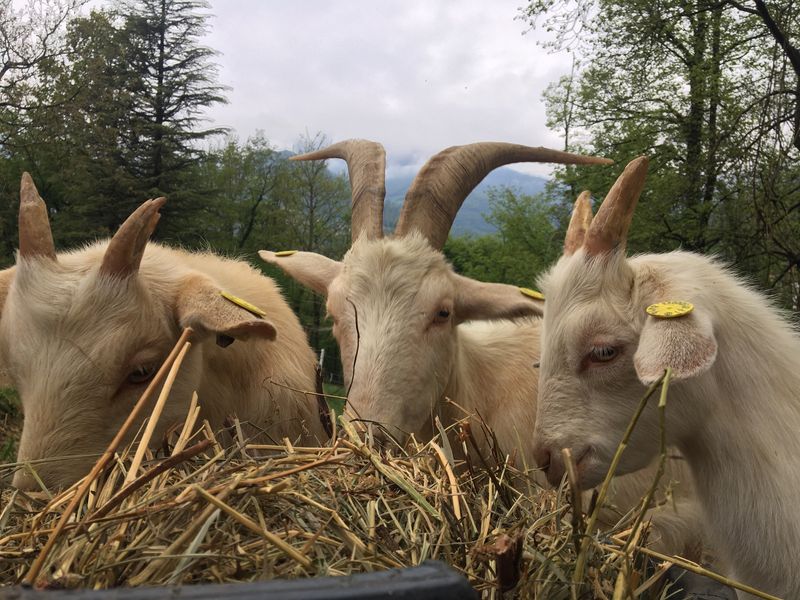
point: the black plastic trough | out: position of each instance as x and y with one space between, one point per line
697 587
432 580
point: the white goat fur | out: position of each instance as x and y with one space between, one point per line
407 363
69 338
408 366
734 405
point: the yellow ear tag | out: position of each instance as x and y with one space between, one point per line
670 310
243 304
532 293
286 253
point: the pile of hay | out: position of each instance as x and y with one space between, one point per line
198 512
201 513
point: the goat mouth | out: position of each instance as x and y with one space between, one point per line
584 466
580 463
591 470
555 468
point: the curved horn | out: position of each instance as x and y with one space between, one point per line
366 165
35 237
579 223
447 178
609 228
125 250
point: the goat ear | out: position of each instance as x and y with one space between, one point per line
685 344
6 278
312 270
476 300
201 306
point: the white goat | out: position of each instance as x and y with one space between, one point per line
413 333
734 406
83 332
399 310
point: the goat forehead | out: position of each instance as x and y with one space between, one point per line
42 290
578 279
395 268
69 295
587 301
74 308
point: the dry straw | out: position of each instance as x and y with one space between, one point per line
197 512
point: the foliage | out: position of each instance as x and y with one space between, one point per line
113 115
710 91
528 239
128 91
243 180
31 36
9 402
261 200
10 424
320 205
176 81
80 155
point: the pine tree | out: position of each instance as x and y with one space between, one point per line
176 82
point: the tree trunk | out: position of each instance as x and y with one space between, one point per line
792 53
712 170
158 137
693 131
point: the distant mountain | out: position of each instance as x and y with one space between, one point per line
470 219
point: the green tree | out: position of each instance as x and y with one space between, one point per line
246 182
81 154
528 239
319 202
783 24
708 90
176 81
129 88
318 207
30 35
259 199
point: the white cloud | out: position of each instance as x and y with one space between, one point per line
416 75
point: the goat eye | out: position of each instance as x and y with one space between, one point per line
142 373
603 354
441 316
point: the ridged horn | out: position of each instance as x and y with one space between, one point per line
125 250
366 165
443 183
609 228
579 223
35 237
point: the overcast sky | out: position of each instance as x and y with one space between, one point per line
415 75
